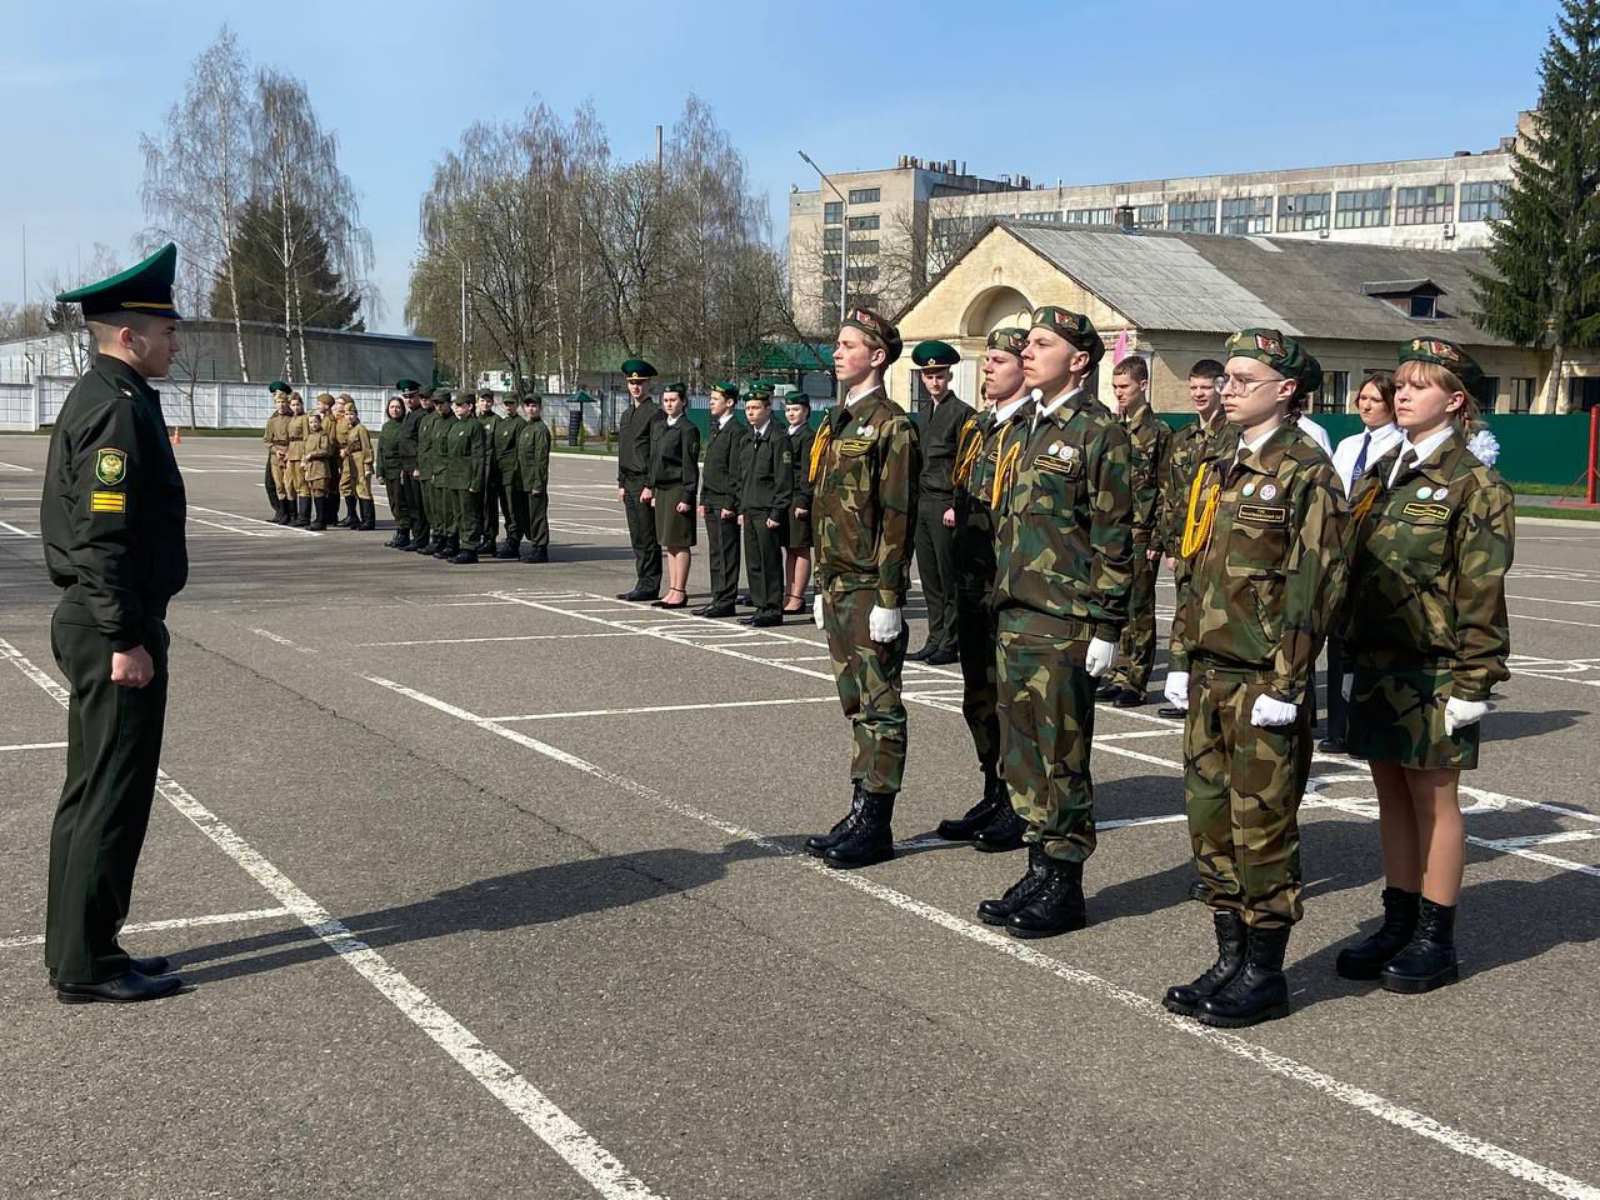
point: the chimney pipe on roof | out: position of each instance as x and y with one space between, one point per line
1125 221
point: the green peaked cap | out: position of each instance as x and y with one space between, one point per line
934 354
637 368
143 288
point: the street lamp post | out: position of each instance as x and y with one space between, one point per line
844 232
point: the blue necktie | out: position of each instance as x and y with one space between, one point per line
1361 459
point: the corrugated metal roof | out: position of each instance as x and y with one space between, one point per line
1216 284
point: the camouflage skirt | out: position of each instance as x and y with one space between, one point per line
1397 716
673 528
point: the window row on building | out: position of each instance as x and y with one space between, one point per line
1336 396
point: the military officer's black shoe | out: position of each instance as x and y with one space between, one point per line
153 964
1429 961
942 658
508 550
1186 997
1126 697
537 554
871 840
926 651
765 620
716 611
1003 832
1055 906
1366 959
964 828
1172 712
1258 991
465 557
998 912
124 989
819 842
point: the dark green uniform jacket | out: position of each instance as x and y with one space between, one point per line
389 439
940 438
675 458
863 498
800 442
427 434
533 455
410 431
724 459
633 441
111 516
504 448
766 475
465 456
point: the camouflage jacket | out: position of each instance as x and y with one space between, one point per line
940 439
1064 547
863 498
1265 584
975 519
1428 562
1149 436
1185 449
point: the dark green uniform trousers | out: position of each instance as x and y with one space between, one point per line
538 524
466 512
488 501
763 555
722 544
936 565
416 511
975 630
642 533
514 505
113 749
394 490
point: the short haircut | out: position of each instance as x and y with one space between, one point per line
1134 367
1206 368
486 394
104 326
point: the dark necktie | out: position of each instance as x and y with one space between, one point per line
1361 459
1408 463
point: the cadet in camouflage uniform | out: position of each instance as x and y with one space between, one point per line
940 438
1148 436
533 471
633 465
1264 536
513 494
464 458
1062 574
1433 536
991 824
864 467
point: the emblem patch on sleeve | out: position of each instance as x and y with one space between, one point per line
108 502
110 466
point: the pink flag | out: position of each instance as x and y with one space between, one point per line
1121 351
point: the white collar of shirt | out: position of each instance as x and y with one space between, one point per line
724 419
794 429
1261 440
671 421
760 431
860 392
1424 449
1058 402
1009 410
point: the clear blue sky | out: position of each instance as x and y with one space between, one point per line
1086 91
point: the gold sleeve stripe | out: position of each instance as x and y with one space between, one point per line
108 502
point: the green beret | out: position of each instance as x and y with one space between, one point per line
407 385
933 355
726 388
1283 354
872 324
637 369
278 385
760 387
797 397
143 288
1447 355
1010 339
1076 328
677 386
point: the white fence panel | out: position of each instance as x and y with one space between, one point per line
17 412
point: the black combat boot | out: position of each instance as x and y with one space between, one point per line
1056 905
465 557
302 515
369 515
401 539
1003 832
317 523
280 511
352 519
1429 961
1258 991
818 843
964 828
1186 997
870 840
998 912
1200 890
540 554
447 548
509 549
1366 958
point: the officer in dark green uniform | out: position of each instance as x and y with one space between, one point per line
936 514
465 458
633 466
411 494
445 541
489 493
111 519
766 487
392 470
533 470
719 499
513 494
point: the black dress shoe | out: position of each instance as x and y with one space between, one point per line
927 650
1172 712
465 558
942 658
765 620
156 964
1127 698
124 989
1331 745
716 610
630 594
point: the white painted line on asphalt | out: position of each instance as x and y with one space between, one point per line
1139 733
526 637
268 525
1412 1121
1532 839
233 918
1549 600
1554 621
282 641
10 528
255 533
660 708
13 467
35 746
597 1166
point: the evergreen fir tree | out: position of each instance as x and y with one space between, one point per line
324 301
1545 286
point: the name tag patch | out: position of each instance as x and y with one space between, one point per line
1431 513
1067 469
108 502
854 445
1263 514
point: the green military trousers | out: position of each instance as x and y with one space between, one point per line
466 510
113 749
1046 729
1243 786
538 526
1137 652
416 509
867 674
975 635
936 567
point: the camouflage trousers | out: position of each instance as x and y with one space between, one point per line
867 674
1136 652
975 637
1243 785
1046 713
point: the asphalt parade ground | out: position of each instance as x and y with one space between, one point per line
488 884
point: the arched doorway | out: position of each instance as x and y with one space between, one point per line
995 308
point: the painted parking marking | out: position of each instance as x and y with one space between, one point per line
523 637
282 641
33 746
665 708
232 918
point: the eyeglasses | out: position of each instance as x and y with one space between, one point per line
1240 385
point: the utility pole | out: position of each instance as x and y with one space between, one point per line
844 233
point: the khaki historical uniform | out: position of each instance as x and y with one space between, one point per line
299 426
1062 576
513 493
316 460
1427 612
533 472
633 466
359 462
766 493
864 482
674 477
719 490
276 437
1148 438
1266 573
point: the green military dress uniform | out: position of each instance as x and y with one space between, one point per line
446 518
111 521
489 493
533 470
633 465
797 530
465 458
940 439
513 494
766 491
1148 438
719 492
410 487
674 478
392 469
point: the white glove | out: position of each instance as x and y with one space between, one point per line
1347 685
1177 689
1270 714
884 624
816 610
1458 714
1100 656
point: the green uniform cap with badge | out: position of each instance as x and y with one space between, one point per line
876 326
760 389
1283 354
278 385
1010 339
1077 330
934 356
144 288
727 389
1447 355
407 385
636 370
679 387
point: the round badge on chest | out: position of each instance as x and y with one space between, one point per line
1425 493
1249 489
1269 491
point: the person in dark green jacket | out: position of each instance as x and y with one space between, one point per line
513 496
432 518
416 520
391 467
633 465
719 499
671 488
766 489
533 470
941 434
445 543
466 460
489 493
797 528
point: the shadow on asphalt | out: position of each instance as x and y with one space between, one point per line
1509 726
